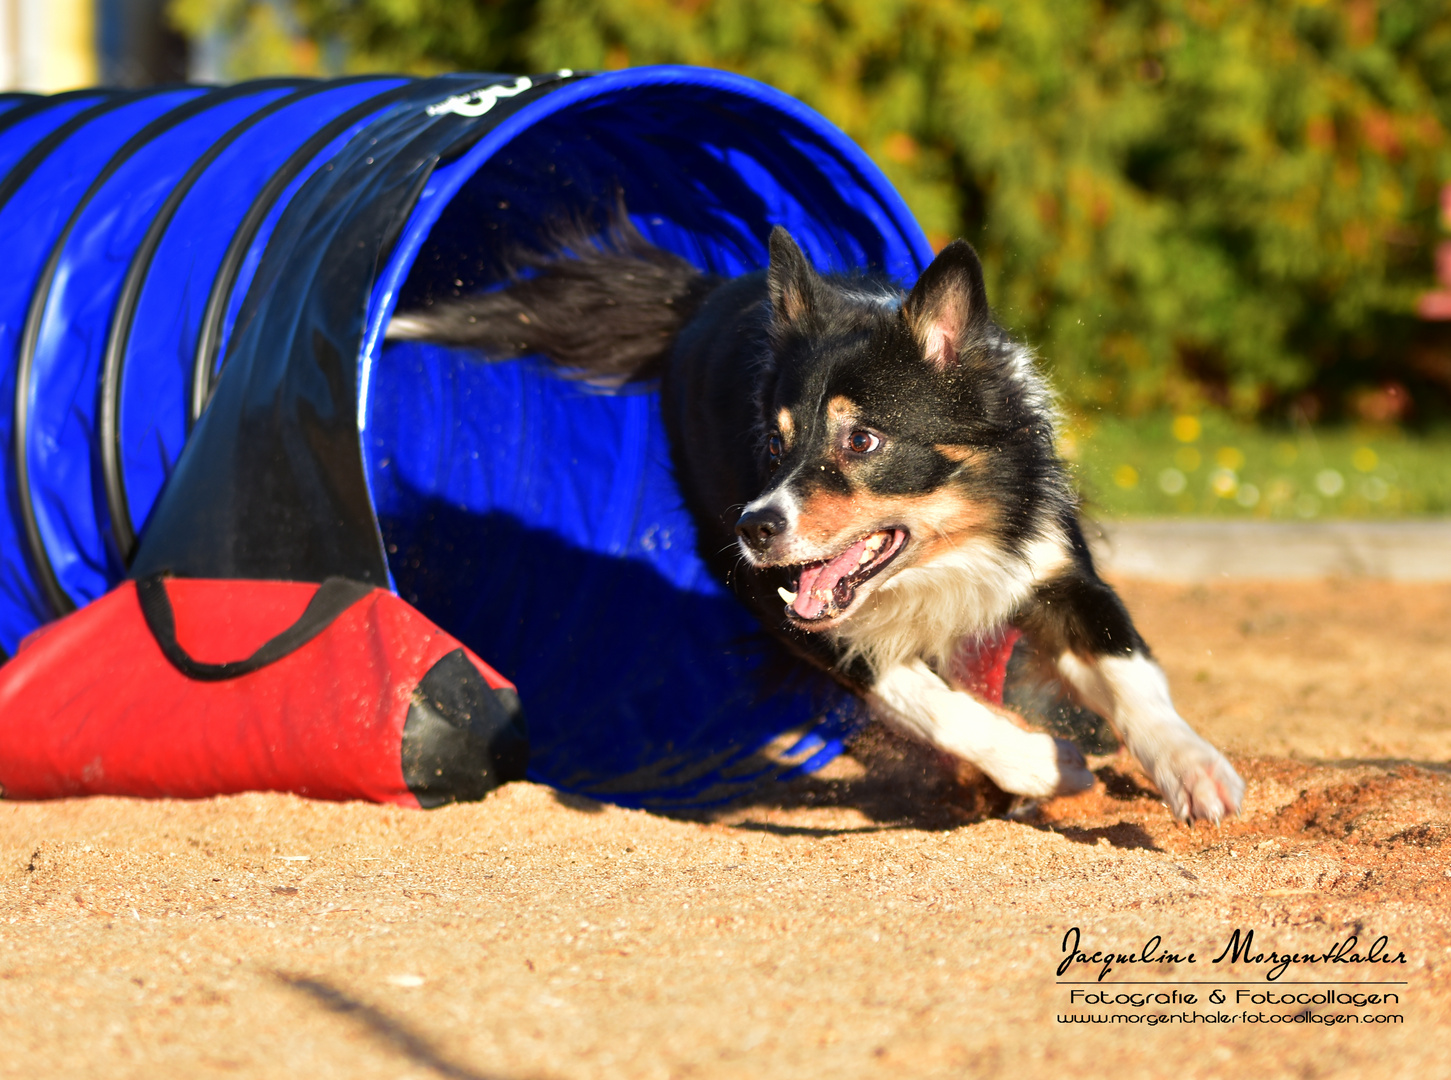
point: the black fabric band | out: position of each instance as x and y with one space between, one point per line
333 597
272 483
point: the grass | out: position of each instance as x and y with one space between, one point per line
1208 465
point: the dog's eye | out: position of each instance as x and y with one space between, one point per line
773 447
862 442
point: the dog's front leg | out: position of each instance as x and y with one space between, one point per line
1132 692
1018 761
1077 619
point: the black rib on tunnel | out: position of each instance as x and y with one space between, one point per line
60 602
108 420
65 119
97 103
271 483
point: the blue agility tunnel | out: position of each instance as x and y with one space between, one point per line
195 379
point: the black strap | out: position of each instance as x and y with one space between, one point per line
333 597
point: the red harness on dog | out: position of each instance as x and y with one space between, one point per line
980 665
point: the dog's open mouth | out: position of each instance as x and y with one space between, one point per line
821 591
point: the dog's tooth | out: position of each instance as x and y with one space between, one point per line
867 557
786 595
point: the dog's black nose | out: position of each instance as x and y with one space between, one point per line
760 527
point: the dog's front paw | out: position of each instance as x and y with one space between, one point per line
1042 767
1073 774
1197 782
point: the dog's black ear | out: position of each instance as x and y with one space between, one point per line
948 305
791 280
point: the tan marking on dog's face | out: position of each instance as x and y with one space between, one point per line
972 518
785 425
959 454
830 523
841 409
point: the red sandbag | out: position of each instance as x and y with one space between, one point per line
334 692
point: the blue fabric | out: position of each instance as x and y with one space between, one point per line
93 261
61 399
20 136
156 381
31 221
22 607
538 522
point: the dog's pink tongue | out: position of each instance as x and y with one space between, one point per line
813 592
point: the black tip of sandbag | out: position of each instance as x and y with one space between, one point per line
462 738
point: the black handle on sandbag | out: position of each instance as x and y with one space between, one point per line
334 596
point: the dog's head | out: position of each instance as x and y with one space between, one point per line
893 428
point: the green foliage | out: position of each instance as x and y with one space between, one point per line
1175 199
261 38
427 36
1210 465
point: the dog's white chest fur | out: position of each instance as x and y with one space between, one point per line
922 612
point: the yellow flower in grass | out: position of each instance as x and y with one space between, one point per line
1187 428
1224 483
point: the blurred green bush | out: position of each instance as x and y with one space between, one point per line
1210 465
1179 202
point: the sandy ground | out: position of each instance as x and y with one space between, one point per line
866 923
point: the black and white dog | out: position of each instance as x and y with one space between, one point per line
875 474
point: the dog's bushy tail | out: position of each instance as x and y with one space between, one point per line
603 307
